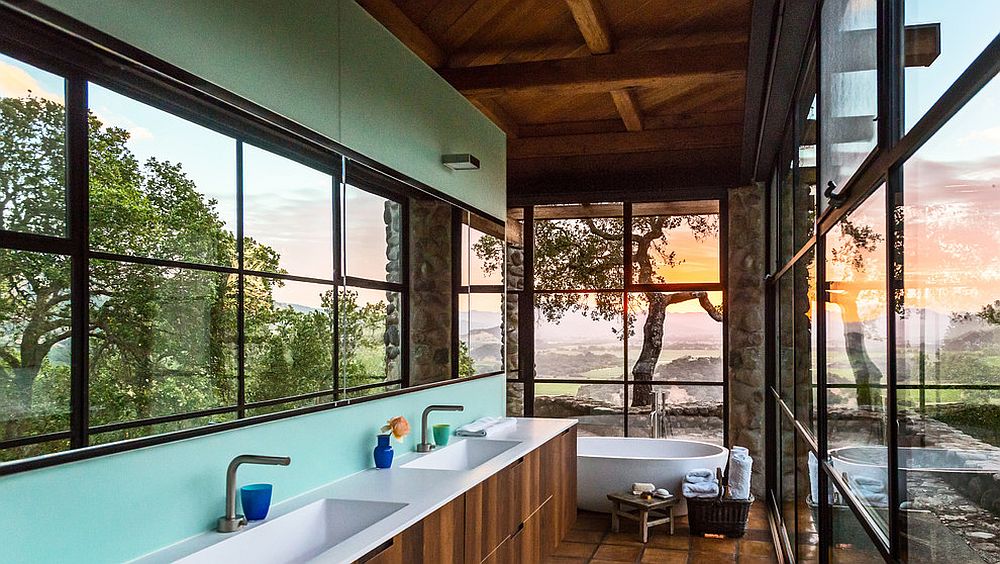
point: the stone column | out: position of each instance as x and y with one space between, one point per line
392 215
514 281
430 291
745 301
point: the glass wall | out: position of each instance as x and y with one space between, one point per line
884 345
625 333
170 266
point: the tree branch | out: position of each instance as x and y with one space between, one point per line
702 297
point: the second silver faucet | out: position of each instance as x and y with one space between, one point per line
425 445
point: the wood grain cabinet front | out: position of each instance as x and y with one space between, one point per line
437 538
516 516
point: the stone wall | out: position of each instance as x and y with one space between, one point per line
745 302
430 291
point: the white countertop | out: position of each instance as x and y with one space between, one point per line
424 491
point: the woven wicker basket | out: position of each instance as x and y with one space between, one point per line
718 516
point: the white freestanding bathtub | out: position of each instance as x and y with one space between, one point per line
610 464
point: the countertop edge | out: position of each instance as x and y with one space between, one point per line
532 433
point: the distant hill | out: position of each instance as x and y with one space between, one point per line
693 327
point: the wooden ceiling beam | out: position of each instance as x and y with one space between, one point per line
593 24
601 73
493 109
664 121
628 108
632 142
585 211
397 22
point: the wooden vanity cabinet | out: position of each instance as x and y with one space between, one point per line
517 516
439 537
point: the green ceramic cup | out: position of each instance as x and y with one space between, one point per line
442 432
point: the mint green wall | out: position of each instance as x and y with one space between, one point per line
328 65
122 506
398 111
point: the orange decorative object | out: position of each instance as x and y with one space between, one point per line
399 427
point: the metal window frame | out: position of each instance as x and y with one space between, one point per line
526 303
82 55
883 166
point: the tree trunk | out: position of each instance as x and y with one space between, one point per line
652 344
866 374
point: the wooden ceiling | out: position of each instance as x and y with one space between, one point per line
594 95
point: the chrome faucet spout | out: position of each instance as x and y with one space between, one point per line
425 445
232 522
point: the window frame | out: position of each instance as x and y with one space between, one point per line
526 311
51 41
884 163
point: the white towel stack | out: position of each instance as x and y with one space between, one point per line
871 490
740 467
700 482
486 426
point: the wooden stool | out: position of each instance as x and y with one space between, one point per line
647 512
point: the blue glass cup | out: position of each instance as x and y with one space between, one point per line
256 500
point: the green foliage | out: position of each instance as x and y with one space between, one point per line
465 361
162 340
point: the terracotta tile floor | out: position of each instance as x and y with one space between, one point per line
591 541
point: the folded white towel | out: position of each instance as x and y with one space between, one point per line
486 426
813 477
739 450
869 485
740 467
699 475
700 489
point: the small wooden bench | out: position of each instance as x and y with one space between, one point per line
647 512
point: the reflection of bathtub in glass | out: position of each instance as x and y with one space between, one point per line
861 460
954 466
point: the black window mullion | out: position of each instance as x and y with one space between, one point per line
724 279
338 271
626 282
526 314
404 294
78 195
240 288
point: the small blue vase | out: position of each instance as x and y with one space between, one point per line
383 452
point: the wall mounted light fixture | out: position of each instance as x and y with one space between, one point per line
460 161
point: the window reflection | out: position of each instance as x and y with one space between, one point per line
948 337
856 350
848 86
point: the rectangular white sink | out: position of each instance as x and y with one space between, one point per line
298 536
462 455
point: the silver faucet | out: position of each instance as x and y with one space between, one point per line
232 522
424 445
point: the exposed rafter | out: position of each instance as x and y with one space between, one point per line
601 73
628 108
632 142
593 24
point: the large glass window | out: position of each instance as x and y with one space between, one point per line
644 349
848 102
948 332
188 325
161 187
856 351
33 145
